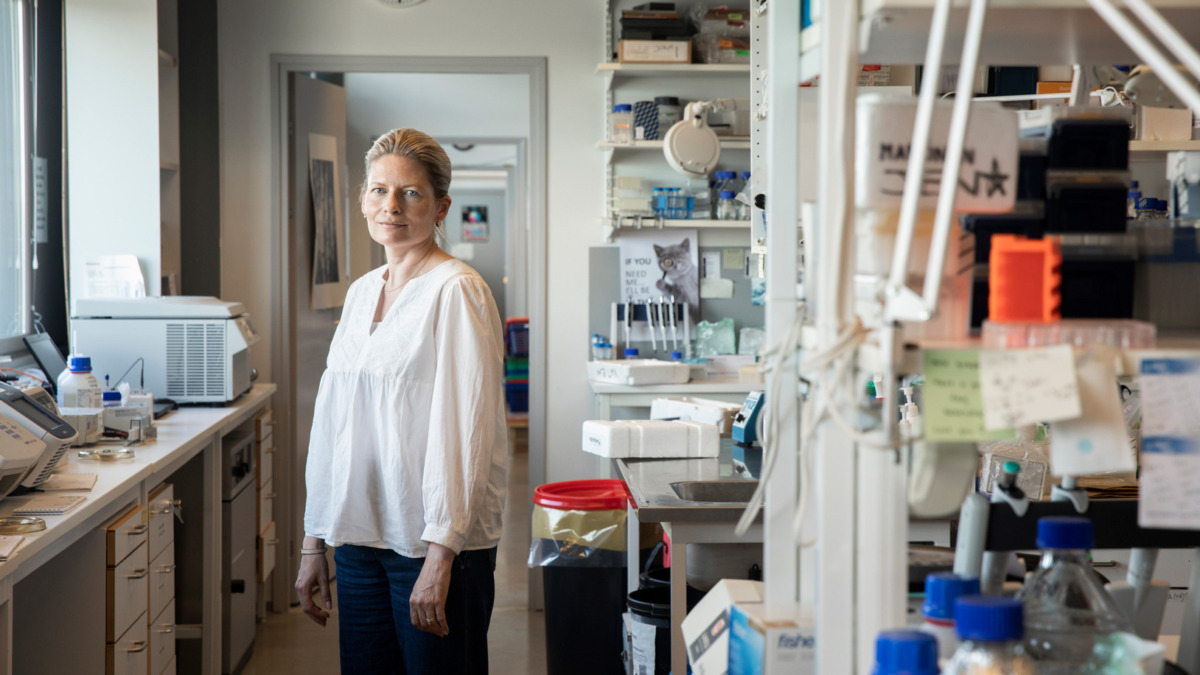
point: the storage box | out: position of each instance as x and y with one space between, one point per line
654 51
717 413
770 640
1164 124
706 627
518 396
637 372
650 438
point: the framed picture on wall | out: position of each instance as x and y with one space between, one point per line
475 223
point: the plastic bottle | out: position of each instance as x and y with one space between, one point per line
725 181
622 123
990 628
727 207
1145 208
1131 203
1066 608
1162 211
743 207
669 112
702 201
942 590
905 652
631 352
677 357
77 387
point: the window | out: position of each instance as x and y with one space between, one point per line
14 177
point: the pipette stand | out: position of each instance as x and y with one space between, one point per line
995 563
641 315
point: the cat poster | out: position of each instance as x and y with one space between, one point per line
661 263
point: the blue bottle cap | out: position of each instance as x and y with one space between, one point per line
80 364
622 107
1146 203
111 396
676 356
942 589
1133 185
905 652
1065 532
728 194
1135 195
728 175
745 175
989 618
631 351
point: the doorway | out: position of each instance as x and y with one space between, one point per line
300 334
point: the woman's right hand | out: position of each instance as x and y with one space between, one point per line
314 574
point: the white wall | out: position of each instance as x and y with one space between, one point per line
487 257
569 34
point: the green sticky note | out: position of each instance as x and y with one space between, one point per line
733 258
953 409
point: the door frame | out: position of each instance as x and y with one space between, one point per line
282 348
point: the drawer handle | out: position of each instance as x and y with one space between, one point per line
166 628
138 646
140 529
268 451
138 574
271 542
269 495
166 569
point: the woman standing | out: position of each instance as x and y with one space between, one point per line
407 461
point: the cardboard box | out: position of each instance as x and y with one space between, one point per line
771 640
706 627
1164 124
654 51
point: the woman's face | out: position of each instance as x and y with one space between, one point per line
399 203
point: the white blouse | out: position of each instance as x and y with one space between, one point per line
409 441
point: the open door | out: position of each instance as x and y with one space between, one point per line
314 107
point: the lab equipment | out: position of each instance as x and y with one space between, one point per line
634 371
651 438
1066 609
669 112
671 319
77 387
1141 597
622 123
40 396
661 311
1024 279
714 339
905 652
995 563
631 352
87 422
691 146
727 208
718 413
628 323
49 429
651 320
747 450
942 591
1131 202
47 356
196 349
724 181
990 628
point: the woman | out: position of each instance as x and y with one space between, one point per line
407 461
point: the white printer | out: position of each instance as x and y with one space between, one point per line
196 349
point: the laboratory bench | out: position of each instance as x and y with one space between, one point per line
55 588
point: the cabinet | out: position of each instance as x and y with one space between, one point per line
268 541
127 591
170 211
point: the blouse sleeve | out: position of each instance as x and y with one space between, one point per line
467 394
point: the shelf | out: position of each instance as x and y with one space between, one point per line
1160 147
650 223
165 58
736 143
672 69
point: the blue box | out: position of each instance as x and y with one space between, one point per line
770 640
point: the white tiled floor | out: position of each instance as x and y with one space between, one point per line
291 643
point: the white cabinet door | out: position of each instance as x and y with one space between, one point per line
130 655
128 592
162 639
162 580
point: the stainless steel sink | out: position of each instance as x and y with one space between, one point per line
716 491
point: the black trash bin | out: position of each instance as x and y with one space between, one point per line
579 542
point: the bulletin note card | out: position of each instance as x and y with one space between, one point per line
953 407
1027 386
1170 478
1097 441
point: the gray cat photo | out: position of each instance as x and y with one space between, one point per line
680 277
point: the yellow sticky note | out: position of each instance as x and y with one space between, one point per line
733 258
953 406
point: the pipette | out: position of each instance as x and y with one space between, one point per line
671 315
629 324
662 320
650 323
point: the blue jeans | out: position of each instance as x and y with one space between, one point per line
375 632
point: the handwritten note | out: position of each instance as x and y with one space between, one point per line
1097 441
1026 386
953 407
1170 478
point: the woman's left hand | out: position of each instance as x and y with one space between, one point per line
427 604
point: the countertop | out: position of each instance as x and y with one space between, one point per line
649 482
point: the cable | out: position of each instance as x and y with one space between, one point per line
142 378
21 372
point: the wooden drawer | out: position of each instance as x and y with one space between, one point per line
128 592
268 544
162 639
266 505
162 580
266 460
126 533
162 518
130 655
264 424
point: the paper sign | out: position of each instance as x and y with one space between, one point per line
953 406
710 266
41 200
733 258
1170 478
1097 441
1027 386
716 289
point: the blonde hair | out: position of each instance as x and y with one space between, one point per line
417 146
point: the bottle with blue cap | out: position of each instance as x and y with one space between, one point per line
905 652
77 387
991 629
1066 608
942 590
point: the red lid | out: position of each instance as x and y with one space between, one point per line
516 319
583 495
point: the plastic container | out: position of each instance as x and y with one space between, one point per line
622 123
942 590
1131 203
743 207
650 614
631 352
1145 209
518 335
518 395
1066 608
990 628
1079 333
905 652
702 201
77 387
726 181
579 541
111 399
669 112
727 208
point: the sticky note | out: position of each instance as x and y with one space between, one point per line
733 258
1170 477
1096 441
716 289
953 408
1027 386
